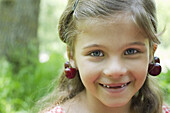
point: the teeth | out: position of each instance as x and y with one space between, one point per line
123 85
113 87
107 86
104 85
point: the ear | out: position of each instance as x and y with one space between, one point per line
70 57
68 52
154 48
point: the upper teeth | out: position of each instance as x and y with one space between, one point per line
106 86
123 85
115 86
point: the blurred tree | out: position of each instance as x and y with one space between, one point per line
18 31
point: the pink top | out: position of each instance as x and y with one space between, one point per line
59 109
166 109
56 109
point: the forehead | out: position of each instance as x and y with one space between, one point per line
104 21
117 23
108 32
98 23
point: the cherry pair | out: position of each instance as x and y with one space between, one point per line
154 68
70 72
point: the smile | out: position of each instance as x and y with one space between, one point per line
115 86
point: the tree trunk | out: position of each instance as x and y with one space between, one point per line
18 31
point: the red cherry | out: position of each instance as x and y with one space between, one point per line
67 64
157 60
150 66
155 69
70 72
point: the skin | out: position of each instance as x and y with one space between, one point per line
109 54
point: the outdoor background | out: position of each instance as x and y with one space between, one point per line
32 56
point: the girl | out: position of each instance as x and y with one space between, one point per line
111 46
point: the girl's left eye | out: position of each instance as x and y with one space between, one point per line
131 52
97 53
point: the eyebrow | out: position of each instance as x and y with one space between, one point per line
137 43
96 45
92 45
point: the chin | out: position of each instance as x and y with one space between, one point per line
117 104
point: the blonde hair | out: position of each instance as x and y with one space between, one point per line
142 12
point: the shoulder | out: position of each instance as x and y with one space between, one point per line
57 109
62 108
70 106
165 109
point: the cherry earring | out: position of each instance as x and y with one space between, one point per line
70 72
155 68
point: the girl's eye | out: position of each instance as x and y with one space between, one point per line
97 53
131 52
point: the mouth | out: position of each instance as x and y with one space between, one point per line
115 86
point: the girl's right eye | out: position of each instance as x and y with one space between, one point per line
96 53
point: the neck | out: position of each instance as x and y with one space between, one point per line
96 106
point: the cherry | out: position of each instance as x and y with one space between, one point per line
154 69
151 65
157 60
70 72
67 64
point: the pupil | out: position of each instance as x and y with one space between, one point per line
130 51
97 53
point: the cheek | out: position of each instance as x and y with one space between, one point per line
89 72
140 77
138 68
140 73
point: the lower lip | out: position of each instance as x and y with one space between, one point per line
116 91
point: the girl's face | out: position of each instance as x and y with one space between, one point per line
112 59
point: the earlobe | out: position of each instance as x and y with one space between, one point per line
68 52
154 48
70 57
72 63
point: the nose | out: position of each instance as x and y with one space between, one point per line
115 68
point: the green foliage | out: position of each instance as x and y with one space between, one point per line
164 81
19 92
